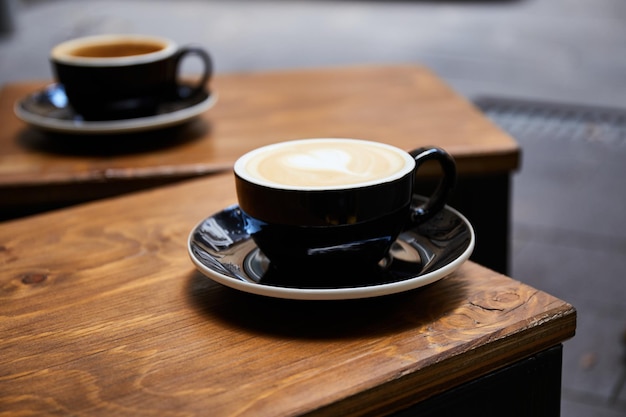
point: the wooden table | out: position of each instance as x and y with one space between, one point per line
407 106
103 313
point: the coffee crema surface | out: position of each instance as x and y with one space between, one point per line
114 50
324 164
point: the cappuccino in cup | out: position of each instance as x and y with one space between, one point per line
333 202
323 164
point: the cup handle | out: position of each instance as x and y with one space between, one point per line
206 60
438 199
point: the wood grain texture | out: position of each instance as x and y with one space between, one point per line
103 313
407 106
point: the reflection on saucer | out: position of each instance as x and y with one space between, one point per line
49 110
389 270
222 250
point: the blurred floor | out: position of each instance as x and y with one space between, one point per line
569 236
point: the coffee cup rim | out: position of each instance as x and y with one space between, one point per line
59 53
241 172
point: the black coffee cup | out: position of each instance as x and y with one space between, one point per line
122 75
315 204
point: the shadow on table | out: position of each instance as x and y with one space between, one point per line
113 144
326 319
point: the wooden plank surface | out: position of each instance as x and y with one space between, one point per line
102 312
407 106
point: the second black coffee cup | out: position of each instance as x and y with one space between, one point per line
124 75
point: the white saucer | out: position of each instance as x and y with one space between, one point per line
222 250
48 110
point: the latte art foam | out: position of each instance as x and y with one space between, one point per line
324 163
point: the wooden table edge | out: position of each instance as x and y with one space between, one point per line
407 388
